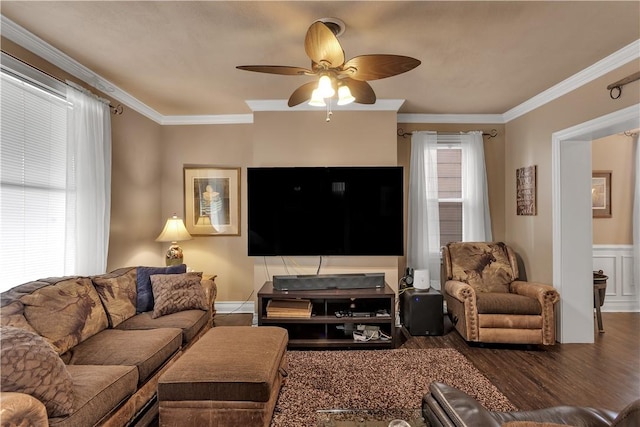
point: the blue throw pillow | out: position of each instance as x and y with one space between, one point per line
143 284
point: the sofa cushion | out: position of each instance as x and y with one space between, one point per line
30 365
97 391
501 303
143 284
66 312
485 266
118 294
147 350
177 292
190 321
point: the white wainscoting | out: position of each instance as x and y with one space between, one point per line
616 261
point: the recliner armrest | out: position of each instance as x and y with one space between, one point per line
545 294
20 409
461 410
459 290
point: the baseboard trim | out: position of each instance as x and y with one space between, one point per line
228 307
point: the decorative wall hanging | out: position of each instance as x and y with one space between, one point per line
526 190
601 194
212 201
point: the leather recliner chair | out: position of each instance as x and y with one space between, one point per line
446 406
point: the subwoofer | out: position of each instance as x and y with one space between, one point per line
421 312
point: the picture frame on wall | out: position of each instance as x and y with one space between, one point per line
601 194
526 193
212 200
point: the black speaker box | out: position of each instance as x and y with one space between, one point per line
421 312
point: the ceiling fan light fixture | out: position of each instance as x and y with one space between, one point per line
316 99
344 95
325 87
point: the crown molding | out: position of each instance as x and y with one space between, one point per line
452 118
281 105
31 42
599 69
217 119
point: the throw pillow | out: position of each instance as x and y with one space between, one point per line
65 312
177 292
143 284
30 365
118 294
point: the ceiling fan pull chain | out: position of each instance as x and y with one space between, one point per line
329 112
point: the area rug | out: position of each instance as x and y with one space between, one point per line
374 379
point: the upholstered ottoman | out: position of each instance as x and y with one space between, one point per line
230 377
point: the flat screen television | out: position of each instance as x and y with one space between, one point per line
312 211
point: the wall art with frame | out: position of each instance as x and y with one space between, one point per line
212 200
601 194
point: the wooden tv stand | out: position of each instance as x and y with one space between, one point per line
321 329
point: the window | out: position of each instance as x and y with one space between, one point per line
450 193
33 180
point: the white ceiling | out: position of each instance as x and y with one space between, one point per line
178 58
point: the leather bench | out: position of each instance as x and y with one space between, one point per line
230 377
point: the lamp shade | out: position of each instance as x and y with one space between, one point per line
174 231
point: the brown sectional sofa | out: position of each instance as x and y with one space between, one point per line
77 351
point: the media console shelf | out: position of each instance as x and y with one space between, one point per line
323 329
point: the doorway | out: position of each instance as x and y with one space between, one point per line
572 226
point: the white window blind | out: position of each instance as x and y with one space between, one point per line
450 193
33 181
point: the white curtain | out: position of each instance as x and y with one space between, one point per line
476 219
636 220
88 179
423 230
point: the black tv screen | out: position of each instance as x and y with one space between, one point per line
325 211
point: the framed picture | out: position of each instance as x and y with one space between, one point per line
526 203
212 201
601 194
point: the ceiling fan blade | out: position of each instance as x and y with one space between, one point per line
361 91
322 45
373 67
276 69
302 94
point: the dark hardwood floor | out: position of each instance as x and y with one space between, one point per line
605 374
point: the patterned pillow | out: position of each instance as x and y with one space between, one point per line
30 365
143 284
177 292
118 294
485 266
66 312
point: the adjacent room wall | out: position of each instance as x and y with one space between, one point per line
615 153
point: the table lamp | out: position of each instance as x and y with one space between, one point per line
174 231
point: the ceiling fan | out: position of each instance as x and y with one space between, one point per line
348 79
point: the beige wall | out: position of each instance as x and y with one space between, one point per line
615 153
528 142
212 145
136 217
